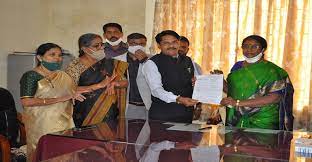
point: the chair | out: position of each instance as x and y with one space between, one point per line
5 149
12 130
5 146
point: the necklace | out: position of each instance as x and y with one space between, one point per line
43 71
45 74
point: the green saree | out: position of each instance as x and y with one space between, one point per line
255 80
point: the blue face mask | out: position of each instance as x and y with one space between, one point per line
52 66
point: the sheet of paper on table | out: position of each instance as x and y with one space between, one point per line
189 127
208 88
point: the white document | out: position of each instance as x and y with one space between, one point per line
190 127
185 127
208 88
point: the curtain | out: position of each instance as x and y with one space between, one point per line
216 29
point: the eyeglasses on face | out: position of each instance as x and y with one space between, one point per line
249 46
165 43
98 45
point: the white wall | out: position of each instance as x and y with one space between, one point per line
26 24
69 19
21 29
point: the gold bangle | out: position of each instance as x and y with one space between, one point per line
44 101
237 103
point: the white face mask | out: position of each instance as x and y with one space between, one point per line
98 55
253 59
133 49
114 43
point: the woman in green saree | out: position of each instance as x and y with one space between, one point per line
257 90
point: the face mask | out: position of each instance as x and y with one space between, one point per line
98 55
52 66
114 43
253 59
133 49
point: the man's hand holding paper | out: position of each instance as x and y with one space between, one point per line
208 88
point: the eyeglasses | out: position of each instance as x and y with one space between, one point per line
98 45
165 43
252 47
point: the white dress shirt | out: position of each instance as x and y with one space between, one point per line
153 79
143 88
197 69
